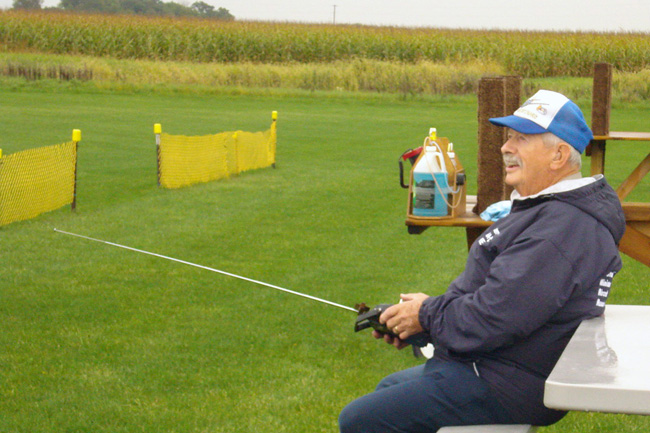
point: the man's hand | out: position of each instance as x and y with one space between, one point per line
402 319
398 343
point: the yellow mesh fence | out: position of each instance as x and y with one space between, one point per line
184 160
36 180
254 150
187 160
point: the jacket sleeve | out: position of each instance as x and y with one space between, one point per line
524 287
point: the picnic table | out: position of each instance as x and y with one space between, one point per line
604 368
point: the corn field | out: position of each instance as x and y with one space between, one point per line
529 54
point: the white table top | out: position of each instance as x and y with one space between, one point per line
606 365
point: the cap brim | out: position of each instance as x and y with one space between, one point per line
519 124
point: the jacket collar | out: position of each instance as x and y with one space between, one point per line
569 183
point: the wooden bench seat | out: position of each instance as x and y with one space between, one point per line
637 212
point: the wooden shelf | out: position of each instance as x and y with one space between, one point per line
624 136
468 219
633 212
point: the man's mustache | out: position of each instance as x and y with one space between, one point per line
509 159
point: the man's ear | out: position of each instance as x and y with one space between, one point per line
562 155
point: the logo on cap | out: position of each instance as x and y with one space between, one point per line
548 104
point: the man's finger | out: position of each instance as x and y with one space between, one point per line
388 314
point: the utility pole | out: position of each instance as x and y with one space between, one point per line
334 15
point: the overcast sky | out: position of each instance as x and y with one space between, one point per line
598 15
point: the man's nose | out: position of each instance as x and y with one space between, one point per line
506 147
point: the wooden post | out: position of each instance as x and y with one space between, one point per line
600 110
497 97
489 164
512 103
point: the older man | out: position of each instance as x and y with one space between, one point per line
529 281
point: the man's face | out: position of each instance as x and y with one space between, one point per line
527 162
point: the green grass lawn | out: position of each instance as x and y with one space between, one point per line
99 339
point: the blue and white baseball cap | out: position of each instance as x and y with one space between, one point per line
548 111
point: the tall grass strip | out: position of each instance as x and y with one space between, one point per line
365 75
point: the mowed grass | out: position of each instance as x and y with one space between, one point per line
100 339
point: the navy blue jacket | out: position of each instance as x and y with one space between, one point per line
530 279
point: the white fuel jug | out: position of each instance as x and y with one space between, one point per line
430 183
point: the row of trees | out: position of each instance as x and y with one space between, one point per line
138 7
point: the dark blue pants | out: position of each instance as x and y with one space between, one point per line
424 399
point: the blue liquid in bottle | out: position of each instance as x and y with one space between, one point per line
427 198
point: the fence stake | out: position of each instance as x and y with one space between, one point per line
76 138
157 129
